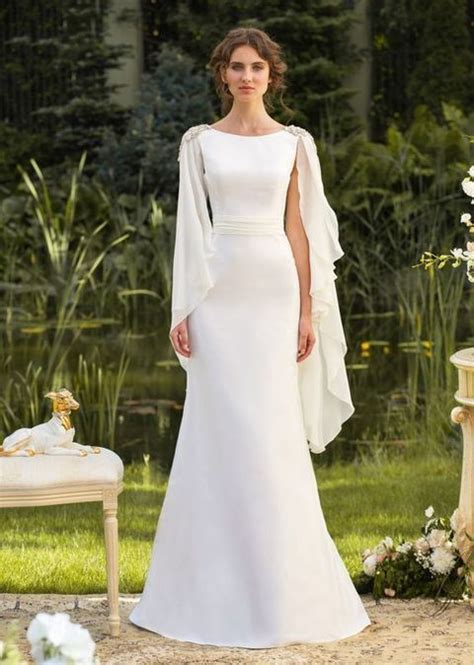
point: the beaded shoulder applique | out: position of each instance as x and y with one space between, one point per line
297 131
300 131
191 133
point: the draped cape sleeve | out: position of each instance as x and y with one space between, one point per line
322 377
193 239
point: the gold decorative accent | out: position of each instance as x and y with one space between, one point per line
47 438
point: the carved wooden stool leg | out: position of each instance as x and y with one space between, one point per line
464 416
112 552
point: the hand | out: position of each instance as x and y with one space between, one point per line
306 338
180 339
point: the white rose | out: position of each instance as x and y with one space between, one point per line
468 186
430 510
471 171
466 219
437 537
442 561
370 564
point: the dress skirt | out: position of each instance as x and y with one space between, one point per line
242 555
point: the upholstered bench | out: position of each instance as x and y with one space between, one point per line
45 480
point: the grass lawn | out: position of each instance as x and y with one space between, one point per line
60 548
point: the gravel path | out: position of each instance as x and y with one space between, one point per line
407 632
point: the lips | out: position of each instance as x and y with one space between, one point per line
245 88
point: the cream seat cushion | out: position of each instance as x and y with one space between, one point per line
44 471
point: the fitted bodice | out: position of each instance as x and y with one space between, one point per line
247 179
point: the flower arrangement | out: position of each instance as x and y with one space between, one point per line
432 565
54 640
458 255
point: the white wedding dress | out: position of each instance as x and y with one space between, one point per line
242 555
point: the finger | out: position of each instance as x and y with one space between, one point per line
185 340
302 345
184 349
309 347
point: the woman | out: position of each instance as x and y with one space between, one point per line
242 556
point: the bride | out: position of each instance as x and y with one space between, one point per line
242 555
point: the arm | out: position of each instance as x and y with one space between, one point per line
299 245
193 246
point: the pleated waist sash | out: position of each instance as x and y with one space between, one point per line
248 225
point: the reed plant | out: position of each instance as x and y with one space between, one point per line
99 389
72 257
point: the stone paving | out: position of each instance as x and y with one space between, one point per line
419 631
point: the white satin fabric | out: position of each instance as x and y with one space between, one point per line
242 555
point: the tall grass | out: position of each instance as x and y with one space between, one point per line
100 390
72 257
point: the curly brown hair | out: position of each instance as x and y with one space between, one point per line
267 49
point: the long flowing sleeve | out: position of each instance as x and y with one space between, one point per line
322 376
193 239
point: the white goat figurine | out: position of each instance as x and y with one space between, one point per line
52 438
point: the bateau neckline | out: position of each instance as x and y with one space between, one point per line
248 136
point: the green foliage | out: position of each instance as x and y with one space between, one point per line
172 96
99 388
18 147
444 58
54 71
421 55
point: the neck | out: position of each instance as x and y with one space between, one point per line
248 117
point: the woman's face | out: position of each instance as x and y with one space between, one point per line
247 74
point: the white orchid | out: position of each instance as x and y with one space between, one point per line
430 510
457 252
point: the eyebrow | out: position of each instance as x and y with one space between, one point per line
257 62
